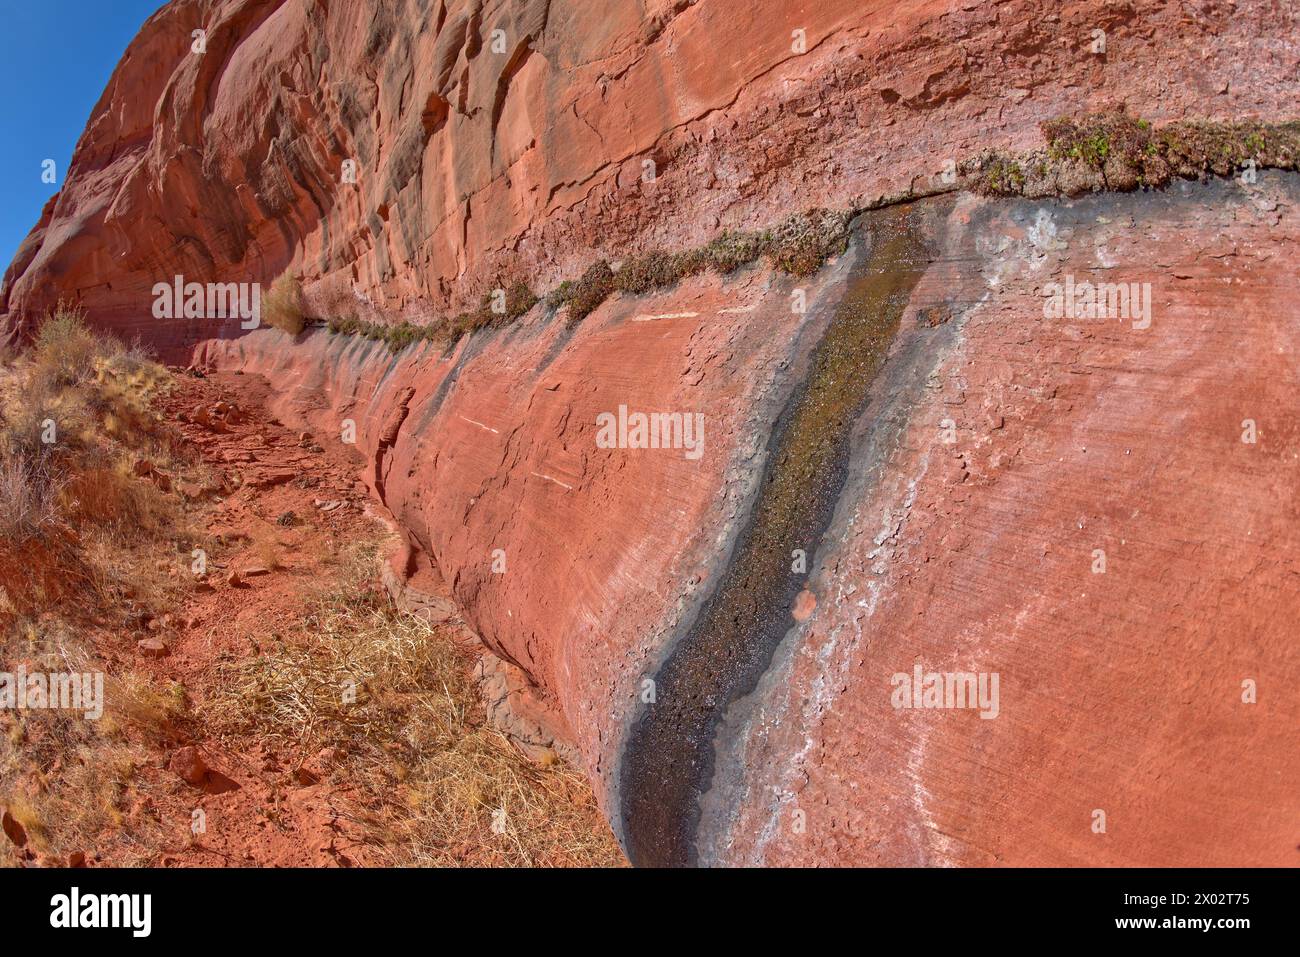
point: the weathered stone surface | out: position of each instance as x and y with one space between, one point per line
997 452
495 464
481 154
1119 691
1123 686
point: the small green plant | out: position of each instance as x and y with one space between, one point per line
586 295
1004 176
802 243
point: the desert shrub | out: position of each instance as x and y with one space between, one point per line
87 803
283 307
29 496
65 349
75 413
333 297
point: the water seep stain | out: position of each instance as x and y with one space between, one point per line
667 762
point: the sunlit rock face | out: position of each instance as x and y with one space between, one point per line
1091 515
403 156
1086 507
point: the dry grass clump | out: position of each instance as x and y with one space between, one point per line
71 802
267 549
392 700
74 419
283 305
68 780
29 498
65 350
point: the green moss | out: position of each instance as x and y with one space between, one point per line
397 336
1096 138
519 300
732 641
1115 151
732 250
1004 177
586 295
801 244
558 296
655 270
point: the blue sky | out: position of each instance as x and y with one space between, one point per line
55 59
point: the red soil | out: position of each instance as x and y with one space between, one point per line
258 811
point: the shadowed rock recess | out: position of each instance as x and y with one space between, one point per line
1022 404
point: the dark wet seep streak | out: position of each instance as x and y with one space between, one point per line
667 763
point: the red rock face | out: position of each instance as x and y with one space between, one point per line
1085 509
1066 503
496 139
1094 509
496 463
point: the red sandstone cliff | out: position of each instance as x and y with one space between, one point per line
495 138
996 452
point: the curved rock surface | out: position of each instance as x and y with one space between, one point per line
1097 510
1000 457
498 139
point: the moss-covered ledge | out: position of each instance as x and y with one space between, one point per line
1099 152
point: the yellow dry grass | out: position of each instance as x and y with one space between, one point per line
86 547
283 305
393 698
79 543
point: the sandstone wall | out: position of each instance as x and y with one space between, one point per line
994 453
999 450
509 137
